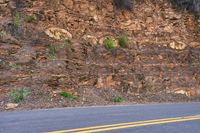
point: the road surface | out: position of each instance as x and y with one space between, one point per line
151 118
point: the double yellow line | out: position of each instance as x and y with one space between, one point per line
110 127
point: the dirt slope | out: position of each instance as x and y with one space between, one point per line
161 63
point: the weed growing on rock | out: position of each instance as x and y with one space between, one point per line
108 43
123 41
67 95
19 95
117 99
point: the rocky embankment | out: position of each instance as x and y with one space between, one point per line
51 46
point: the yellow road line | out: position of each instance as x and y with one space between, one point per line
138 125
124 124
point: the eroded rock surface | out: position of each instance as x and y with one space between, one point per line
63 49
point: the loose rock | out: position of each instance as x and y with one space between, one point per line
11 105
58 33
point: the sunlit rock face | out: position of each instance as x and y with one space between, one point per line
191 5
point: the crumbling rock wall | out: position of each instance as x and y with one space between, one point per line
163 53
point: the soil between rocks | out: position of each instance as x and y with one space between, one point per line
161 63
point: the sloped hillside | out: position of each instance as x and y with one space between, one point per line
55 50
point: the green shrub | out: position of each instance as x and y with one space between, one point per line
123 41
19 95
117 99
108 43
67 95
30 18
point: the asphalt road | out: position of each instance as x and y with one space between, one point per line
151 118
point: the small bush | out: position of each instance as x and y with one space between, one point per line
117 99
123 41
67 95
108 43
19 95
30 18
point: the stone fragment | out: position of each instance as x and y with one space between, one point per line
91 39
195 44
58 33
188 92
183 92
177 45
11 105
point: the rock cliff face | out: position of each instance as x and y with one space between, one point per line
161 63
149 22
